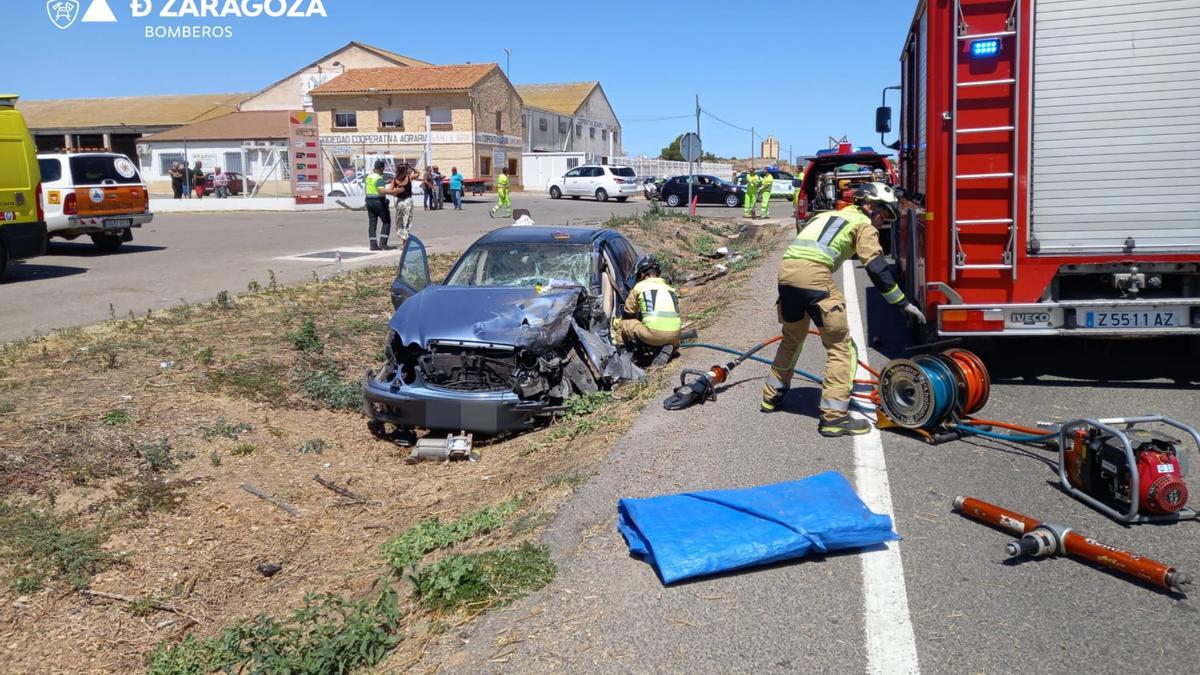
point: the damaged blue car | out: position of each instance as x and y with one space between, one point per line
522 321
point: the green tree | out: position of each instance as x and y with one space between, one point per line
672 151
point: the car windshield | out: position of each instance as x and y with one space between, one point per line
524 264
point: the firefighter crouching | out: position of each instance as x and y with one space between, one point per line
807 292
651 312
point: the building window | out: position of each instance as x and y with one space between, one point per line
285 167
592 132
485 166
578 129
512 167
616 141
345 120
562 126
166 159
604 134
391 118
543 125
498 119
233 162
441 119
572 162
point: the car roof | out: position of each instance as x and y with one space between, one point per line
520 234
89 153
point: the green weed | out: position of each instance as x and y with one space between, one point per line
704 244
243 450
253 286
7 407
223 429
158 456
327 387
214 457
484 580
145 493
115 417
313 446
406 549
329 634
256 381
305 337
42 544
571 480
222 301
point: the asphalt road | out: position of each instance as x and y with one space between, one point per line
942 600
191 257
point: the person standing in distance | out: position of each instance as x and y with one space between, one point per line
502 200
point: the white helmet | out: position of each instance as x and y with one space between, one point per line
881 193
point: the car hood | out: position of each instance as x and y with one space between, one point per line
518 317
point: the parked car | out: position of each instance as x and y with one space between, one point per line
235 183
651 187
521 322
22 221
96 193
783 185
351 187
596 180
706 189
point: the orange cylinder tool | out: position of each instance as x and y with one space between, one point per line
1041 539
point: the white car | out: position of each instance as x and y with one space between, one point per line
99 194
596 180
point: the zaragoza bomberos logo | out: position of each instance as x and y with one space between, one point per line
62 12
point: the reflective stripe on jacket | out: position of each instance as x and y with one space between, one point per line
658 305
828 238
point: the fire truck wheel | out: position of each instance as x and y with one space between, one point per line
106 242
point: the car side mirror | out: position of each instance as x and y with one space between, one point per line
883 119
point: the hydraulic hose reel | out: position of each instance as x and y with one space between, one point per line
1131 474
928 391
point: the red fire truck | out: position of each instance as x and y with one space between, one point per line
1049 156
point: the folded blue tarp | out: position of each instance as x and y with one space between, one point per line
699 533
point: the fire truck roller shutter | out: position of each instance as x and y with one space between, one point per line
1116 137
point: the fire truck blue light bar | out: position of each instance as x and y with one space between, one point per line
982 49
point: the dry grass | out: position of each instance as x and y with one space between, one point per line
85 415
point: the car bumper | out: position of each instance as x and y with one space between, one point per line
89 224
23 240
419 405
1082 318
627 189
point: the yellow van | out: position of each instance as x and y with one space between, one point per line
22 223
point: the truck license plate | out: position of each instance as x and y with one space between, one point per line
1128 319
118 223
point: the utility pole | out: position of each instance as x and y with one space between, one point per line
691 168
751 148
508 64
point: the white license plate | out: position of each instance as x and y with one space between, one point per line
118 224
1130 319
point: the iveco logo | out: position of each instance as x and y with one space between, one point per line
1029 318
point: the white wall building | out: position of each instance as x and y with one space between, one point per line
572 117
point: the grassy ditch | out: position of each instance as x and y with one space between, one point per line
151 458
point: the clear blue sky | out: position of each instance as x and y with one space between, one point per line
802 70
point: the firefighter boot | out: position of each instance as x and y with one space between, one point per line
843 426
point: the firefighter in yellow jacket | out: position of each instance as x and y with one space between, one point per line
751 192
764 193
807 292
651 312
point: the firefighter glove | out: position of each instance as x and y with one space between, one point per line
912 312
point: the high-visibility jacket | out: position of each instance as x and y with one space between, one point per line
502 182
372 184
752 181
657 305
833 237
767 181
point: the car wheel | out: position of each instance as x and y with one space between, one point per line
622 199
106 242
672 200
3 261
337 193
601 195
731 200
555 193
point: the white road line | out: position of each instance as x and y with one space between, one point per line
891 645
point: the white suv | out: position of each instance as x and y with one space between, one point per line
100 194
596 180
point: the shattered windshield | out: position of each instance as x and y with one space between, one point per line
524 264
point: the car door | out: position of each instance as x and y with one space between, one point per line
412 274
570 181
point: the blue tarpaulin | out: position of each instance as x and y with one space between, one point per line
699 533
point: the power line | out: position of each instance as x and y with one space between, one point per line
655 119
728 124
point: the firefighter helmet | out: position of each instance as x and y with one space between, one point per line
649 264
879 193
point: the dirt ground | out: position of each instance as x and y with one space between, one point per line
146 431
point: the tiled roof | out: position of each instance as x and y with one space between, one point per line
247 125
565 98
416 78
130 111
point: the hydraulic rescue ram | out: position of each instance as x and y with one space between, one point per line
1039 539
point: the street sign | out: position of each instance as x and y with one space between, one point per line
689 145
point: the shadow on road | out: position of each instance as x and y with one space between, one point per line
36 272
89 250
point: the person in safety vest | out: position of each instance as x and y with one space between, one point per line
377 206
751 192
799 182
502 200
807 292
652 312
764 193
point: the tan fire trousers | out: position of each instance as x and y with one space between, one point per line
841 359
632 329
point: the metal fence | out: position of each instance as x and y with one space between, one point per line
662 168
